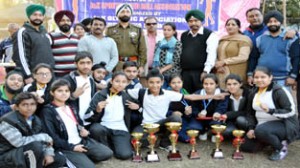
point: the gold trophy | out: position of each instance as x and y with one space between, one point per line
237 155
193 154
151 129
217 153
173 127
136 143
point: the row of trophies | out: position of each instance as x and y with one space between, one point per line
174 154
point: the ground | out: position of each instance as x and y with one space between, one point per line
205 148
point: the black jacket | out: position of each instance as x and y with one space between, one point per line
242 109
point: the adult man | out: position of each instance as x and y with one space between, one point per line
13 85
102 48
64 43
30 44
280 55
22 142
151 37
129 38
255 29
199 51
6 46
83 86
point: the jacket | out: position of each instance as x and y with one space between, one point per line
242 109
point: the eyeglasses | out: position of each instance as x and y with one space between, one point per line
44 74
149 24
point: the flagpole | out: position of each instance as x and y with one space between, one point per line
284 12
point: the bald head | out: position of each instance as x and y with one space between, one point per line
12 28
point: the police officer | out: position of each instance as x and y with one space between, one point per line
129 38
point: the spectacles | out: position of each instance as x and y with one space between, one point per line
149 24
44 74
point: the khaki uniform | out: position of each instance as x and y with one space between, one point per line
130 42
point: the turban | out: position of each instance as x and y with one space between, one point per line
122 7
275 14
196 14
59 15
15 71
33 8
100 65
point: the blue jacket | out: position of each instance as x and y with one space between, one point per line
4 104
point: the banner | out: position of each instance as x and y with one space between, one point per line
216 11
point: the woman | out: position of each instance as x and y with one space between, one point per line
79 29
233 52
167 52
271 116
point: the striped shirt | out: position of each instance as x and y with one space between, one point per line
64 49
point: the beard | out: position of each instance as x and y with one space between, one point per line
273 29
36 22
13 91
124 18
64 28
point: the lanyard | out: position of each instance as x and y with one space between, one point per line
184 103
69 113
258 95
112 94
206 105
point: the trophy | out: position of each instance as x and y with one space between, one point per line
137 136
193 154
151 129
173 127
217 153
237 155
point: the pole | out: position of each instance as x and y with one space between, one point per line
284 12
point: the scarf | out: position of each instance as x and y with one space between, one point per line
165 45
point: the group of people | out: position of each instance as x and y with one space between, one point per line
73 100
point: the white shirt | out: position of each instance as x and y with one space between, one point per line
212 44
155 108
236 103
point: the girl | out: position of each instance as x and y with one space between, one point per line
63 124
43 77
99 73
237 104
111 109
167 52
209 111
271 116
79 30
233 52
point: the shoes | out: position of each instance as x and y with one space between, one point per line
285 144
166 148
279 154
213 139
203 137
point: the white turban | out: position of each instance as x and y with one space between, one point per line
121 7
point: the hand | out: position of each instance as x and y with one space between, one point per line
221 70
83 132
220 96
250 134
201 115
141 71
290 81
216 116
177 113
202 75
289 34
80 148
219 64
101 85
80 90
188 110
40 100
13 106
224 117
48 160
264 107
132 105
250 80
29 80
101 105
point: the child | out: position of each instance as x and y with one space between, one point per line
111 118
43 77
208 108
64 125
23 144
130 69
99 73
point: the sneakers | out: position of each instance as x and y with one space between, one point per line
285 144
213 139
203 137
279 154
167 148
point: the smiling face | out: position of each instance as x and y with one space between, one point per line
15 82
61 94
155 84
194 24
37 18
255 18
232 27
43 75
233 86
261 79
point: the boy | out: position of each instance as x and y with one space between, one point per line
22 143
130 69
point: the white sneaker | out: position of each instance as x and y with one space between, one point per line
203 137
213 139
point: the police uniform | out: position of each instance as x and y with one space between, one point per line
130 42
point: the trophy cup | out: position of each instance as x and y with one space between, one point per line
217 153
173 127
193 154
137 136
237 155
151 129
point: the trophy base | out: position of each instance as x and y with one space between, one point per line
193 155
217 154
237 156
174 156
137 158
152 157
